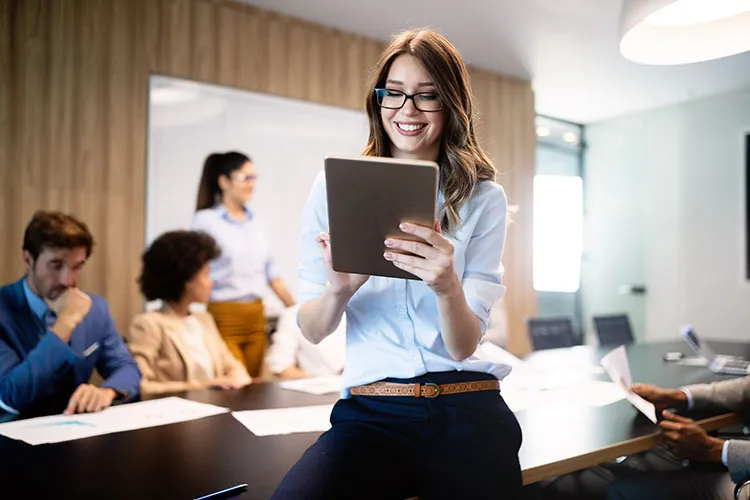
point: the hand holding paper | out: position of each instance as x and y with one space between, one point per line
663 399
616 365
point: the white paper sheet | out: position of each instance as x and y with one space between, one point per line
286 420
127 417
616 365
314 385
581 393
487 351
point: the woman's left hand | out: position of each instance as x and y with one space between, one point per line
432 260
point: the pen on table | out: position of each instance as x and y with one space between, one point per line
229 492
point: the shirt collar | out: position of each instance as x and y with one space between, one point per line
37 305
224 213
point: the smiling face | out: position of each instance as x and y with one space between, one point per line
413 134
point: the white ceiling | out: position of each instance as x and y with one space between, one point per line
568 48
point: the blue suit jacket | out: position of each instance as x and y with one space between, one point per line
39 372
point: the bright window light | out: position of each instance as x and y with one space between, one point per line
558 231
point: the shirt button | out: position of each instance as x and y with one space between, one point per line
401 309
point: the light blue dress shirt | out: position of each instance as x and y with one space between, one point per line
245 267
38 306
393 328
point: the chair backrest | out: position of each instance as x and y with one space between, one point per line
551 333
613 330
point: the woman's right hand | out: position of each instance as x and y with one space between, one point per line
340 282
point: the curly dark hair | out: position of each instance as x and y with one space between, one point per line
172 260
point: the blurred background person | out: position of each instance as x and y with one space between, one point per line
178 349
291 355
53 335
245 269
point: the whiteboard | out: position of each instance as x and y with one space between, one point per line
287 140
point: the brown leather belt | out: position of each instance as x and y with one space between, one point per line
428 390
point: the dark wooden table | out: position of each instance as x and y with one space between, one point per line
565 439
190 459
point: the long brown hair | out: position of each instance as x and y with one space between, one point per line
462 161
216 165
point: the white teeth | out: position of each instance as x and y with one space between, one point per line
409 127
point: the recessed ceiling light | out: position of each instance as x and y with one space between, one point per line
570 137
542 131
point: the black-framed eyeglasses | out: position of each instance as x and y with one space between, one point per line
395 99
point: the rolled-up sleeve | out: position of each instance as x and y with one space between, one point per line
482 278
272 270
312 270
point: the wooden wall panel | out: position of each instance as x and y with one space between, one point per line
5 135
228 38
73 116
506 131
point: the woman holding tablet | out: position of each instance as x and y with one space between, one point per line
245 267
418 415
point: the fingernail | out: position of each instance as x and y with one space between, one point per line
403 226
388 255
389 243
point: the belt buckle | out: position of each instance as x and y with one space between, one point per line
435 394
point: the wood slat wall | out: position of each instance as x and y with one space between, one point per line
73 116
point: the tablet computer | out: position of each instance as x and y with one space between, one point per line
368 197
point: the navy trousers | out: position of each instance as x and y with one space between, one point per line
454 446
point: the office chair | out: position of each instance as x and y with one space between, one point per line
551 333
613 330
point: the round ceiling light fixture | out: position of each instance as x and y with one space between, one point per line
671 32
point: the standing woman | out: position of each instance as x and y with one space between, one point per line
245 267
418 415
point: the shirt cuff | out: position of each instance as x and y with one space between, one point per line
7 408
725 453
689 399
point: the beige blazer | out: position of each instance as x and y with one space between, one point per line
158 346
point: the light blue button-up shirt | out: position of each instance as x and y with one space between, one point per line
38 306
393 327
245 267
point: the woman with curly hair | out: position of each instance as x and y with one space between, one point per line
176 349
